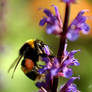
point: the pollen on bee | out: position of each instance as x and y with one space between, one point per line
29 64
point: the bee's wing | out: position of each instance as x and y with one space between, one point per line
15 64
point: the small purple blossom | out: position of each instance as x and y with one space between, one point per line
55 26
70 86
69 58
78 24
68 61
69 1
53 22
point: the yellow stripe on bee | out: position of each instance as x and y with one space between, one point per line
31 43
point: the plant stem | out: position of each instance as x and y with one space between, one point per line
63 35
55 84
62 44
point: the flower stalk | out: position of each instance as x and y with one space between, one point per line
63 35
62 44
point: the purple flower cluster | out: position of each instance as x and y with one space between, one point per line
53 68
78 24
55 25
70 86
60 65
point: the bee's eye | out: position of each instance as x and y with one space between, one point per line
29 64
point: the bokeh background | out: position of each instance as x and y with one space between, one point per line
19 21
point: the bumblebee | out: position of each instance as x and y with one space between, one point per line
30 54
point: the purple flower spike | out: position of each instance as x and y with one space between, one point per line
78 24
69 1
70 86
53 22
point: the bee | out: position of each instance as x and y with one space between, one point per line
30 54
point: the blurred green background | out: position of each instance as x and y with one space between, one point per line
19 22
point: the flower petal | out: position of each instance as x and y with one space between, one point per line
69 86
78 24
43 21
48 12
85 28
72 53
72 35
67 72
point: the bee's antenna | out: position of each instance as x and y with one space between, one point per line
19 58
12 65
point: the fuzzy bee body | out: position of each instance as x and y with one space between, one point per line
30 53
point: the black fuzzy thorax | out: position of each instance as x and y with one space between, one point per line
28 52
